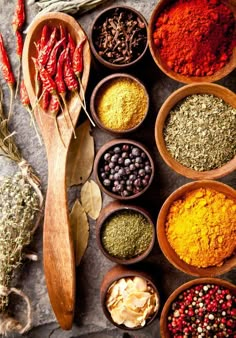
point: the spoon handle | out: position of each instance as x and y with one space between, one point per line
59 265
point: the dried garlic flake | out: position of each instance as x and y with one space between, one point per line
131 301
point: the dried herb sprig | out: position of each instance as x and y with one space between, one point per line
20 203
69 6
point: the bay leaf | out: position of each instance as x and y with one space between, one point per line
80 230
80 156
91 199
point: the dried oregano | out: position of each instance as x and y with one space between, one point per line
200 132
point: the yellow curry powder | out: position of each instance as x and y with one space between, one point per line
201 227
122 104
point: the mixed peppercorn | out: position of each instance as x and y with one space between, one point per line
125 170
205 310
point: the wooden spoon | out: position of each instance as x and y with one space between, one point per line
59 266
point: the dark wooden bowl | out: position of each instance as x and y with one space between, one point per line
104 62
164 244
198 88
162 4
116 273
93 102
165 333
111 209
98 159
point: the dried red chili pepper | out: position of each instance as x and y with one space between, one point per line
19 16
61 87
77 60
71 45
47 81
52 61
45 51
63 35
46 97
72 83
7 72
53 109
24 97
44 36
19 44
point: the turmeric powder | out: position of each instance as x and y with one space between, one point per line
122 104
201 227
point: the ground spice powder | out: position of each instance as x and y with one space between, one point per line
201 227
121 104
195 37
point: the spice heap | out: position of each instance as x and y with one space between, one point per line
131 301
120 36
125 170
195 37
205 310
200 132
126 234
121 104
201 227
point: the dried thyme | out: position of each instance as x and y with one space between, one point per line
126 234
200 132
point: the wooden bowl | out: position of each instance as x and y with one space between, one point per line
116 273
97 92
164 244
105 13
162 4
99 158
111 209
165 333
198 88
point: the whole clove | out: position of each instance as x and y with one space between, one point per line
120 36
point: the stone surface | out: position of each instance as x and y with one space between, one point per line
89 318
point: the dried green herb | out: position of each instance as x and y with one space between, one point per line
20 201
126 234
200 132
80 230
19 205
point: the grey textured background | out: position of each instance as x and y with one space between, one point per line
89 318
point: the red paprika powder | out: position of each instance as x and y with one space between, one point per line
195 37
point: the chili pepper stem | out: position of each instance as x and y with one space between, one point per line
59 132
34 124
85 110
83 91
18 78
11 88
62 110
68 113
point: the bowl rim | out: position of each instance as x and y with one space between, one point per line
104 82
187 90
111 144
94 51
107 212
228 264
165 310
218 75
125 272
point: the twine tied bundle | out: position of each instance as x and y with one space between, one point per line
21 202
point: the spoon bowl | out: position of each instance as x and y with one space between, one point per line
59 266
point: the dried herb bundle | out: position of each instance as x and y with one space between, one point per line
20 201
